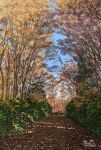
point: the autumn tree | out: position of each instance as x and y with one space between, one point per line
25 36
81 24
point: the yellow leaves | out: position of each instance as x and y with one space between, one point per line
63 4
20 10
1 2
0 40
78 101
24 23
38 71
49 76
16 10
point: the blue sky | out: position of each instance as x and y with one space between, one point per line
64 58
55 38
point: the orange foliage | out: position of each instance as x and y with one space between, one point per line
58 105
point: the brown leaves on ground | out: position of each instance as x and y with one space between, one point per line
52 133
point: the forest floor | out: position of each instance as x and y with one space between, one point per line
52 133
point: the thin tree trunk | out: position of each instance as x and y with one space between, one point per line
2 86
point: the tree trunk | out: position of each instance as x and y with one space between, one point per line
2 86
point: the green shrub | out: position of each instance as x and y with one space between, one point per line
18 114
45 108
87 110
70 109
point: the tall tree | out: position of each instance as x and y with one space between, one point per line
81 24
26 35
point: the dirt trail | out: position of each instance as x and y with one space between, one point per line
52 133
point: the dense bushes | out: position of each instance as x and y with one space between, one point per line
18 114
87 110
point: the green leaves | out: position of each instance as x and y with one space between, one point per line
21 113
17 127
87 111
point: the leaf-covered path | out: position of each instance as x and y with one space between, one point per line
52 133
